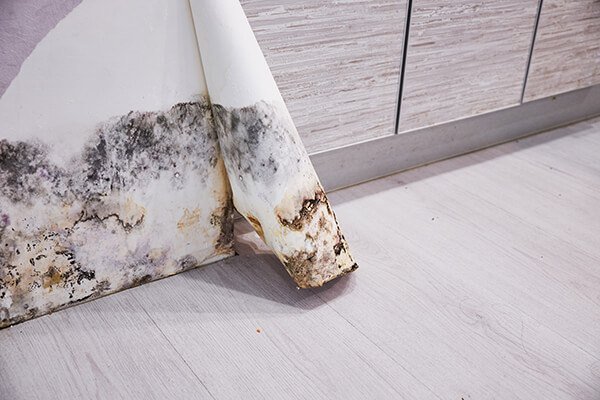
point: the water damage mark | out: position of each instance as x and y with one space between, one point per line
325 254
269 168
306 213
79 230
222 218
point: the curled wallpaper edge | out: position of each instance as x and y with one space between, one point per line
274 184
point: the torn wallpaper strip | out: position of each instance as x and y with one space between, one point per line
111 173
275 186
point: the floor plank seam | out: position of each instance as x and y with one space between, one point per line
179 354
379 348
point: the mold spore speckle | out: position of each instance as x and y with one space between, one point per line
258 145
276 188
106 219
25 171
138 147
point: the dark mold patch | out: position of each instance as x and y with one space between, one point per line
301 266
255 141
25 171
223 219
140 280
136 148
48 255
93 215
187 262
128 151
306 213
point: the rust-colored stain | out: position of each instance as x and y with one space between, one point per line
222 218
307 211
133 212
189 219
51 277
256 225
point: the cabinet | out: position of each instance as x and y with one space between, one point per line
337 64
464 58
566 54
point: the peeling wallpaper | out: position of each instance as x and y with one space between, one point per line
123 153
277 190
274 184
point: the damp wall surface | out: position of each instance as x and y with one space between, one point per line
110 170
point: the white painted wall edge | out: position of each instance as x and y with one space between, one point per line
360 162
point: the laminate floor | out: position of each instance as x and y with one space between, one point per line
479 278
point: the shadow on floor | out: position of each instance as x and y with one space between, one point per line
260 275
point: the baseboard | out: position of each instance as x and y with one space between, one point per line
356 163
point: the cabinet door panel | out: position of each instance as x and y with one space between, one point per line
566 54
337 64
464 58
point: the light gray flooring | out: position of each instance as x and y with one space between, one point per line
479 278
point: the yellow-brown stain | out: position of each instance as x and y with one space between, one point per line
189 219
256 225
133 212
51 278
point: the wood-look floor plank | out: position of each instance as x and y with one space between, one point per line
266 339
490 228
105 349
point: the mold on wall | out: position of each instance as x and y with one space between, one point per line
277 190
110 170
146 197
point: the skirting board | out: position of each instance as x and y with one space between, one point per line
359 162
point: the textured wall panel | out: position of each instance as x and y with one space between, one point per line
464 58
566 54
337 64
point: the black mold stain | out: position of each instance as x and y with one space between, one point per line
123 154
25 171
138 147
306 213
223 218
125 225
243 133
140 280
259 145
187 262
127 151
